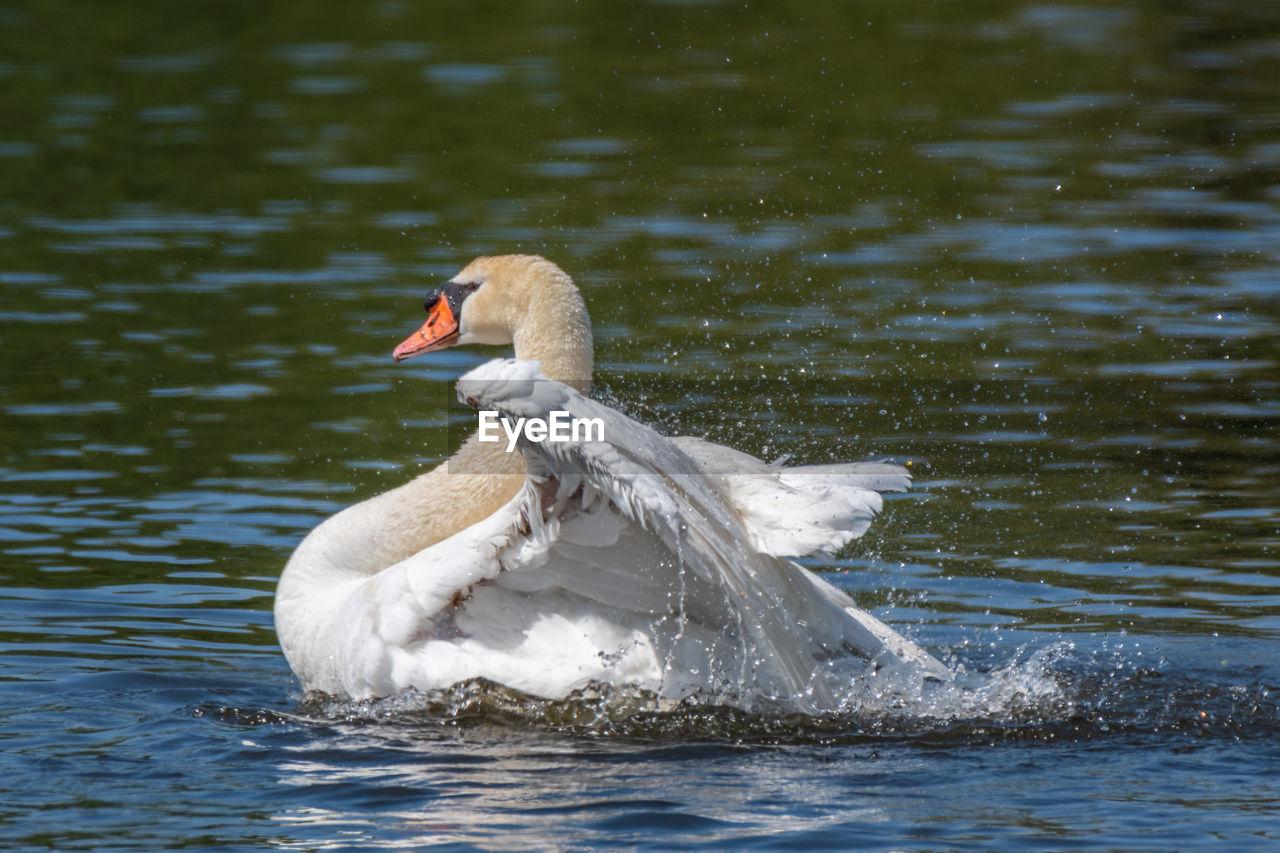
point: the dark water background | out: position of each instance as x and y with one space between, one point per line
1031 248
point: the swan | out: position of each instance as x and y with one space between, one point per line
627 559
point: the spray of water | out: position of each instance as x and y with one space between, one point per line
1054 693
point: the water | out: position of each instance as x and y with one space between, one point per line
1029 248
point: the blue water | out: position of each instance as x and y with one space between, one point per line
1029 249
170 749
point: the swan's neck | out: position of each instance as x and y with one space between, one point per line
556 331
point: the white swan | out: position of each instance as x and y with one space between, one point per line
639 560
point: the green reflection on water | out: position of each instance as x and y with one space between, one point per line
216 220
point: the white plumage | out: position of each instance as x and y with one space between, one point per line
641 561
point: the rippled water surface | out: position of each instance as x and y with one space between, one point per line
1031 249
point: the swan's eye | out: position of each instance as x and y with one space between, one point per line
454 291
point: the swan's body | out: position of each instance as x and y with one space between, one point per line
638 560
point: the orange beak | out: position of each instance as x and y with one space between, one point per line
439 332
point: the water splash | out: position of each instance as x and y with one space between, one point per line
1049 694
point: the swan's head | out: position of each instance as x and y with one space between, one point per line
524 300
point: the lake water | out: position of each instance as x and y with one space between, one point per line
1033 249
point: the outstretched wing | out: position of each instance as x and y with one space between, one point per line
790 630
794 511
625 560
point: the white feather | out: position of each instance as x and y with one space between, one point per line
641 560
